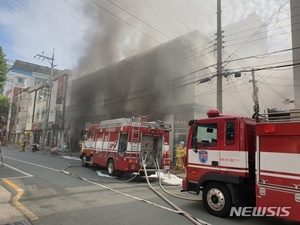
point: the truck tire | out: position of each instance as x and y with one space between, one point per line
111 167
84 161
217 199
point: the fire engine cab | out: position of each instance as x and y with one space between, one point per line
236 161
122 145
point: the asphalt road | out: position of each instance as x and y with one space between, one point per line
80 196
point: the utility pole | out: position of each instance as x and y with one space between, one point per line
255 97
49 85
219 58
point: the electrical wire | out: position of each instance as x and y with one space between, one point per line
185 43
155 91
179 39
265 23
110 1
103 8
117 96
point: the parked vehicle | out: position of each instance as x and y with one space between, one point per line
36 147
237 161
120 145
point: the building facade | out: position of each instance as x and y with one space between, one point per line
22 76
19 115
295 24
160 83
38 117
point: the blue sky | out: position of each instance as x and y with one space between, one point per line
29 27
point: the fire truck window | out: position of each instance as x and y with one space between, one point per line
230 128
122 147
207 135
83 135
91 134
123 144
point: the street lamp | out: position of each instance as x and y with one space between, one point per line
48 85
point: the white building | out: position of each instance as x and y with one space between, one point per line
22 75
38 111
247 37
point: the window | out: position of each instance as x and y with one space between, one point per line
83 135
123 144
90 134
230 128
39 80
21 80
206 135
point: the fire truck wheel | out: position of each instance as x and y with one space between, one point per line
84 162
111 167
217 199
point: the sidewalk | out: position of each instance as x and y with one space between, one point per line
179 173
47 150
9 214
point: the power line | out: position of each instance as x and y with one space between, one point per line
180 37
158 91
194 72
264 24
187 80
125 21
245 24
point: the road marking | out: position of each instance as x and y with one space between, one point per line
16 202
26 174
49 168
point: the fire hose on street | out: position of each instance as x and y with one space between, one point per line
174 209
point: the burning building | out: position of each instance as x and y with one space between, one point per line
160 83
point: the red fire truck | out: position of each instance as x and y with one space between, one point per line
121 144
245 166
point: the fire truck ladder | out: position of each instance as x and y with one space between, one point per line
135 134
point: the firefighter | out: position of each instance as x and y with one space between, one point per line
180 153
22 144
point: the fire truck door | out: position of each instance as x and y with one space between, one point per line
207 152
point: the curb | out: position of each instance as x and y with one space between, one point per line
9 214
